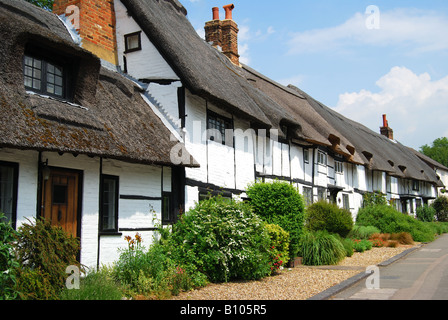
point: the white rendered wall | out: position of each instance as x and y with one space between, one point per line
147 63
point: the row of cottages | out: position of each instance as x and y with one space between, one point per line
117 116
240 126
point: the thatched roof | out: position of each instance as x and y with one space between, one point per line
358 144
108 116
203 70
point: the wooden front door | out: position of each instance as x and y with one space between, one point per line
60 199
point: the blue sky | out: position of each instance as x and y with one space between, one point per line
325 48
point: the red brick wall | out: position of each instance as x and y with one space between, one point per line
96 23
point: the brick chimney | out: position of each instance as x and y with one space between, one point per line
96 23
386 130
213 30
224 34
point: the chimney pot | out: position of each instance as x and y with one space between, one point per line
228 8
215 13
386 130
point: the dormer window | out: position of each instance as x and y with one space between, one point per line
44 77
133 42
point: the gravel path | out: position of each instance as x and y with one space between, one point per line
298 283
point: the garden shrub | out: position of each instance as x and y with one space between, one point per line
323 215
348 246
362 245
224 240
438 227
402 237
389 220
279 246
376 198
441 207
97 285
43 252
426 213
279 203
8 262
321 248
363 232
151 273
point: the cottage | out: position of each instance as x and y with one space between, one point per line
114 112
278 132
80 144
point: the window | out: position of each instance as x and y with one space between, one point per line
338 167
306 155
109 203
321 194
44 77
167 209
133 42
346 202
8 190
216 129
415 185
308 195
322 158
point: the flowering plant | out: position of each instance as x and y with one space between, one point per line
134 244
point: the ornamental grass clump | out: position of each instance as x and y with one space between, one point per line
321 248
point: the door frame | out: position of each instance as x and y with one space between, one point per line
42 190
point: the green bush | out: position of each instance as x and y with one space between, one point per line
43 252
438 227
327 216
151 273
279 246
363 232
8 262
441 207
279 203
376 198
426 213
321 248
362 245
224 240
97 285
347 243
389 220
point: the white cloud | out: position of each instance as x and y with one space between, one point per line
246 36
419 30
416 106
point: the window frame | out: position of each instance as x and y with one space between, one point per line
346 201
101 226
306 155
415 185
15 184
322 158
45 63
308 195
171 219
338 167
227 125
139 42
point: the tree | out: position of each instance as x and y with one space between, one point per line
45 4
438 151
